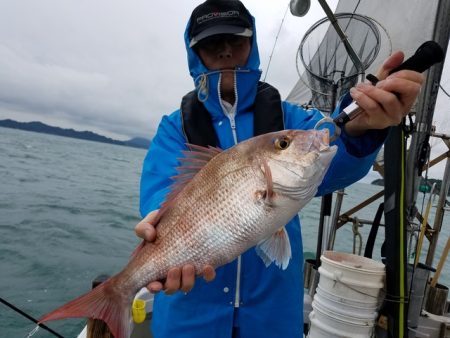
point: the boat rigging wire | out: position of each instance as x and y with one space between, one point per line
275 43
26 315
445 92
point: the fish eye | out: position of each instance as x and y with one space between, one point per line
282 143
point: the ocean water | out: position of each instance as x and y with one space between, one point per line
67 212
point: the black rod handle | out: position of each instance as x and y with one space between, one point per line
428 54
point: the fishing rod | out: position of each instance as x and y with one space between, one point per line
26 315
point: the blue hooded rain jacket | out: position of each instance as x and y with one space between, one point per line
262 302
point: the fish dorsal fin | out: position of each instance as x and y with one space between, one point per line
192 162
276 248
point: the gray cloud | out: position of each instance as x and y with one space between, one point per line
115 67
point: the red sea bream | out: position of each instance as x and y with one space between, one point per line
222 203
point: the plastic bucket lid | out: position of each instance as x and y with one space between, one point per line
353 262
353 269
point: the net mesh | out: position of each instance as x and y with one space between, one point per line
324 64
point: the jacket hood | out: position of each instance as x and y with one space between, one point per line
207 82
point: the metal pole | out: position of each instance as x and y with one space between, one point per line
438 219
335 219
348 47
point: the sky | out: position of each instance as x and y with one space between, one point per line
116 67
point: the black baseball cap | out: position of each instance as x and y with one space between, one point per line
219 17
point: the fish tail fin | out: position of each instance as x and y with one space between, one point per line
104 303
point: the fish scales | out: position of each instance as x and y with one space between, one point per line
207 225
211 222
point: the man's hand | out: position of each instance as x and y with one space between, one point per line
177 278
386 103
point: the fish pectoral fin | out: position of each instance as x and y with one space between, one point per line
268 175
276 248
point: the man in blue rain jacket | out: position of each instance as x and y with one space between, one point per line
229 105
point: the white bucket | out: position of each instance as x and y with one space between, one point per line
346 306
370 303
345 316
346 301
351 276
325 326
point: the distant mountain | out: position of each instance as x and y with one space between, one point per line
39 127
138 142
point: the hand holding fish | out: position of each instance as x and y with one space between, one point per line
177 278
387 102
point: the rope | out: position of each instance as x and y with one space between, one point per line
30 318
356 233
33 332
202 84
275 43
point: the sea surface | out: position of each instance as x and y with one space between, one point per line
68 208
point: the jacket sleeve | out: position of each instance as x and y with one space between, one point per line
355 155
160 163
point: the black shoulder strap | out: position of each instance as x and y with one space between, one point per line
198 128
197 125
268 116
